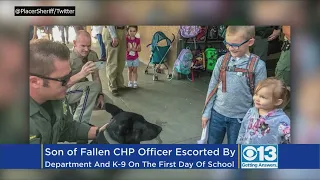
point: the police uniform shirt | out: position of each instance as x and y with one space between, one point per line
52 122
77 61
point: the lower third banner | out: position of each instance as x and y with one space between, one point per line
140 157
163 156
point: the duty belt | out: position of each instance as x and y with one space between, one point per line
285 46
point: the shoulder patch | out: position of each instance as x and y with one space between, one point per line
32 137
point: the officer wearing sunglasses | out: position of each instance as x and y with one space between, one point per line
50 120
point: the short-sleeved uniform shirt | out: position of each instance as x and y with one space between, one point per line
52 122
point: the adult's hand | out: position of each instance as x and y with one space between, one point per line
274 35
115 42
103 128
87 69
100 102
100 138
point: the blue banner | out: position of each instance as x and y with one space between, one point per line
155 156
141 156
299 156
20 156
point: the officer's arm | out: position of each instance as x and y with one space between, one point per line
78 131
74 79
74 130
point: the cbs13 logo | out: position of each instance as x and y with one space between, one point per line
258 153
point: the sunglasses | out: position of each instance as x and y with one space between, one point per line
64 80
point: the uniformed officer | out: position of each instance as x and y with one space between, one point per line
283 65
84 92
50 120
114 39
264 34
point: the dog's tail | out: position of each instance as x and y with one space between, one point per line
112 109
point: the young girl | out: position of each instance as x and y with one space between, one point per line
266 123
133 47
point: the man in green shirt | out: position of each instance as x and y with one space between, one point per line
50 120
84 93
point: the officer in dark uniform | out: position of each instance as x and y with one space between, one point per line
283 65
264 34
50 120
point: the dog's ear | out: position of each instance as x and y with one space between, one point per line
112 109
149 131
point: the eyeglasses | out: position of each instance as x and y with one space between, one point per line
234 46
64 80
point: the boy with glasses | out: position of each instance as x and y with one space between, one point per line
231 86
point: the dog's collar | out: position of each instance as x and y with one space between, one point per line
109 139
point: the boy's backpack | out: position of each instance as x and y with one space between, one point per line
184 62
211 57
189 31
224 67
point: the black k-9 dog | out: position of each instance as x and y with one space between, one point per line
128 127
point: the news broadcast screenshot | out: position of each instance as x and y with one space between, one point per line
159 90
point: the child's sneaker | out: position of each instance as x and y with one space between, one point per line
135 85
130 84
